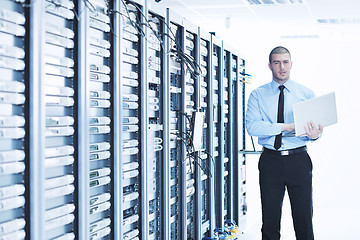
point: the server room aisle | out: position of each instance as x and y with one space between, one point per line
330 223
118 120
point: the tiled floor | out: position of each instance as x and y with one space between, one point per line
330 223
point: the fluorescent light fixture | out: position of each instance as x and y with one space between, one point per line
300 36
274 2
339 21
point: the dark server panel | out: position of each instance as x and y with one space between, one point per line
131 134
217 92
13 119
205 157
99 93
233 125
227 135
190 108
242 157
176 137
155 50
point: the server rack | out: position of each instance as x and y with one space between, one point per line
205 104
57 77
155 106
228 135
100 152
99 94
218 126
191 105
14 121
241 161
236 181
134 122
178 154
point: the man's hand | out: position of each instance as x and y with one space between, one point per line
312 131
288 127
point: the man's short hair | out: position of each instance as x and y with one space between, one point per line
278 50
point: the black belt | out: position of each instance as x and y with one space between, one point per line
286 152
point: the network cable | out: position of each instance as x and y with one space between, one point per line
192 65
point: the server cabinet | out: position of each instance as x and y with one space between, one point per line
218 127
178 144
14 167
57 77
233 126
204 104
241 205
155 107
133 121
193 167
234 163
228 134
99 93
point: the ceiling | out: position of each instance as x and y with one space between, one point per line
287 18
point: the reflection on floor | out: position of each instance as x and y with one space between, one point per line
329 223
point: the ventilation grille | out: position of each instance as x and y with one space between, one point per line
275 2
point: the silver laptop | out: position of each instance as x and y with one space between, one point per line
320 110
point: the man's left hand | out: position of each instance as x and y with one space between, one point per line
312 131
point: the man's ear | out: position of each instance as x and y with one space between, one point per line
269 65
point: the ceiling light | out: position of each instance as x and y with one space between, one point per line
274 2
340 21
300 36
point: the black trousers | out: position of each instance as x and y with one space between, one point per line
294 173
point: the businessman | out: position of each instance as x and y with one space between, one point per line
284 163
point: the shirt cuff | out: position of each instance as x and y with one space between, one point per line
278 128
316 138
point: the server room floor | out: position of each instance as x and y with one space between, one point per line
329 223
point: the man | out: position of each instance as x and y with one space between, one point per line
284 162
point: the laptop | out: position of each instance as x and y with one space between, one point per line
320 110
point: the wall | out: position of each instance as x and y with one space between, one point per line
325 64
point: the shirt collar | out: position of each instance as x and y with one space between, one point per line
288 85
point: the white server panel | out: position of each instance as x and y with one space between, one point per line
13 121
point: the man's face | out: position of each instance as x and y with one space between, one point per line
280 67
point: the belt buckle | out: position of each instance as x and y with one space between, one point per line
285 153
